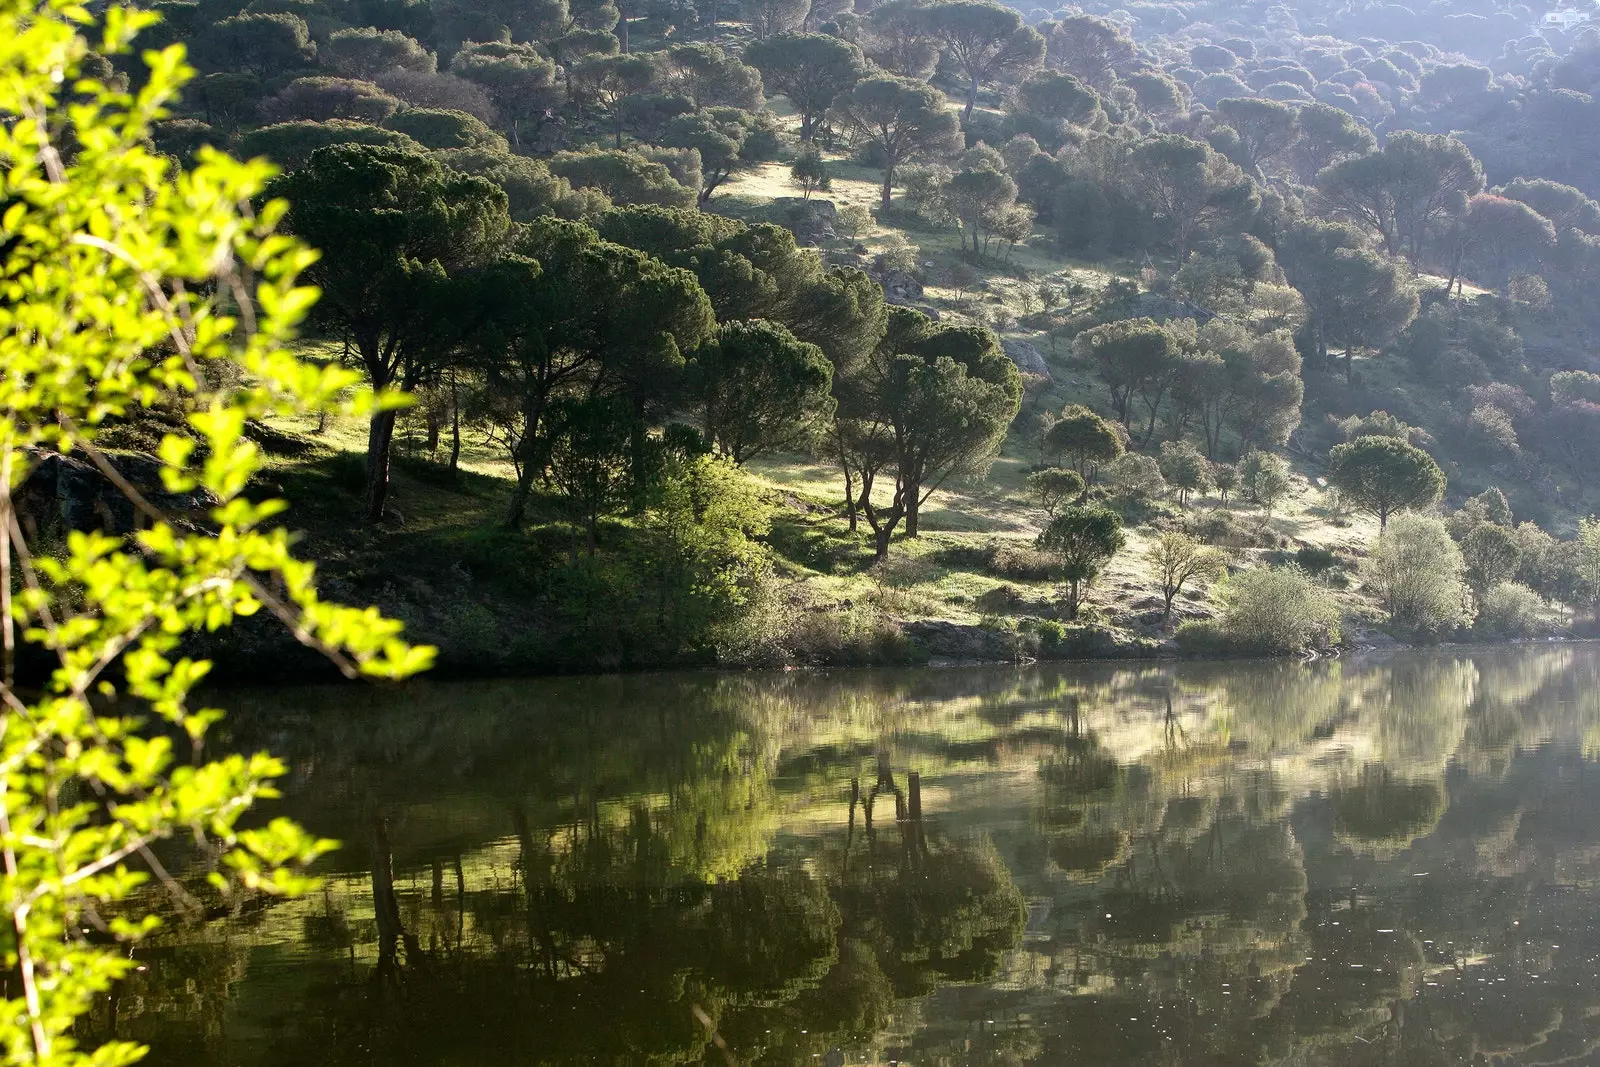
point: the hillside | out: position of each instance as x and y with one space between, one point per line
737 331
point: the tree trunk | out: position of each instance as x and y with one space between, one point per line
913 507
850 498
622 34
1073 592
880 541
380 434
455 424
888 186
972 99
618 125
519 497
638 443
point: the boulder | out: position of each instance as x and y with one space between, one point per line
1167 308
67 493
951 642
1029 360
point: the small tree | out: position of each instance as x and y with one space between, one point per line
1175 559
853 221
1225 476
810 171
589 459
1185 468
1052 488
1586 564
1083 538
1265 478
1491 555
1382 475
1418 575
1084 439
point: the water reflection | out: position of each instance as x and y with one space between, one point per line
1352 863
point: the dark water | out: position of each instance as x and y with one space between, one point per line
1390 862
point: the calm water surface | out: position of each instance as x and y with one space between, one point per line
1377 862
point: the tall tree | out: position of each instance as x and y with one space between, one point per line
1049 104
718 134
392 226
811 69
1134 357
933 402
760 390
1266 129
1084 439
1407 191
1190 188
1355 296
1327 135
767 18
985 41
1382 475
706 76
979 197
581 312
904 120
612 81
1499 238
265 45
1092 50
897 39
520 81
367 53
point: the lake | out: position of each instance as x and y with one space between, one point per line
1370 861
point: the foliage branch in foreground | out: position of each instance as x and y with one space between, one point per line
127 284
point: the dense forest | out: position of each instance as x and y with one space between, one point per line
787 331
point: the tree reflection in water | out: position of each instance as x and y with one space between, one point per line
1353 863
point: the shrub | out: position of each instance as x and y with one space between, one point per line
1511 609
1277 609
1314 560
1136 478
1021 563
1418 575
1223 529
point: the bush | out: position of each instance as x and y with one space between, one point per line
1136 484
1314 560
1511 609
1021 563
1418 575
1225 530
1277 609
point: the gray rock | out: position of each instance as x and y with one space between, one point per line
1167 308
1027 357
68 493
949 641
